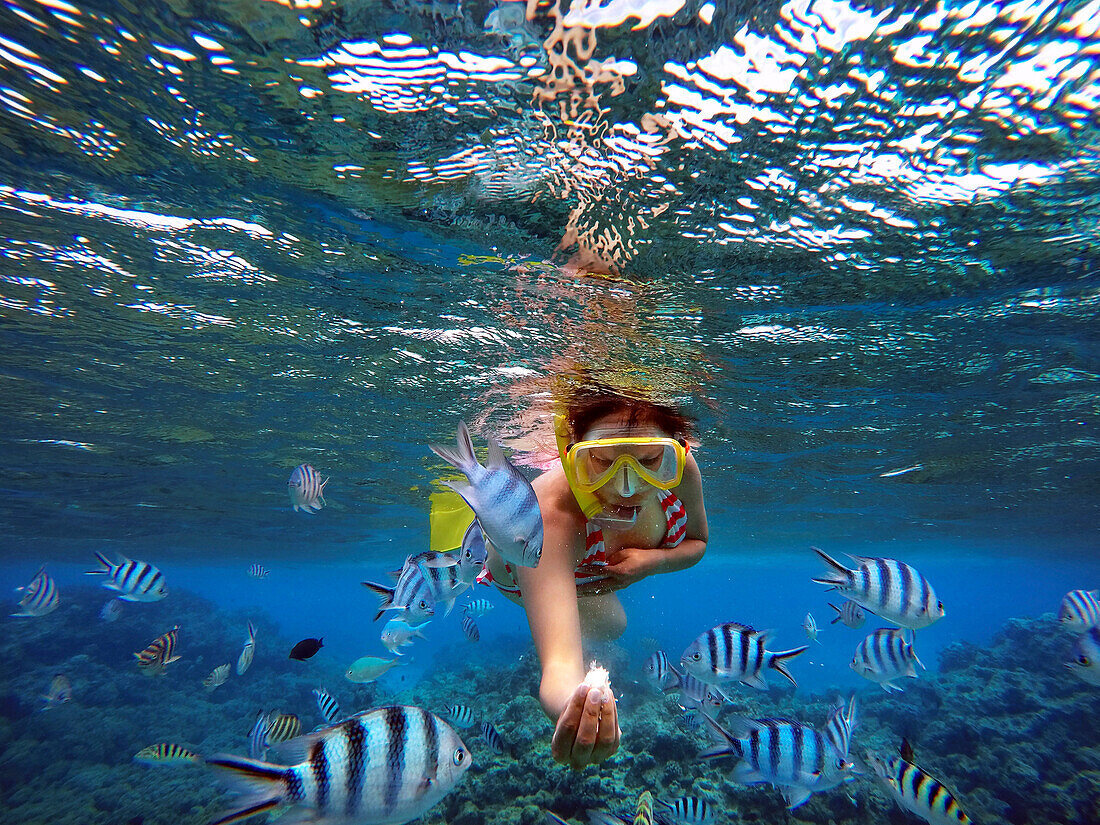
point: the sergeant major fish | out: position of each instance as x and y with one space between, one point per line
735 652
887 587
137 581
794 757
468 560
329 707
60 692
411 595
112 609
469 628
501 498
915 790
306 489
660 673
40 597
886 655
809 624
166 753
160 653
689 810
216 678
850 613
381 767
244 661
1080 609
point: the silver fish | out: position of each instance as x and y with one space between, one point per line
660 673
257 737
257 571
40 597
468 560
477 608
306 489
838 729
217 677
1080 609
411 595
442 579
886 655
461 715
1085 663
398 633
329 707
689 810
380 767
695 695
888 588
809 624
500 496
735 652
60 692
469 628
850 613
492 738
244 661
915 790
137 581
794 757
111 610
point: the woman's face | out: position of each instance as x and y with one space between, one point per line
626 488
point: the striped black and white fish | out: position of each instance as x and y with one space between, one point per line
850 613
468 560
216 678
794 757
257 737
461 715
160 653
886 655
1080 609
500 496
660 673
166 753
492 738
915 790
1085 663
257 571
888 588
735 652
443 582
329 707
40 597
306 489
282 727
698 695
469 629
689 810
381 767
477 608
809 624
411 596
137 581
244 661
838 729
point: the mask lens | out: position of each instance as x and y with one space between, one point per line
656 461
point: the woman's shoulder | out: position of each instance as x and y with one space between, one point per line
556 499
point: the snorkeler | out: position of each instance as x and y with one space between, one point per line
624 501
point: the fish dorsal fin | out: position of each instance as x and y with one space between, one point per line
906 751
496 459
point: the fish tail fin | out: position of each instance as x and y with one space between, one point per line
778 661
384 594
263 784
105 563
462 456
839 613
837 575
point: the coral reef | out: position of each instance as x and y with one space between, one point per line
1007 727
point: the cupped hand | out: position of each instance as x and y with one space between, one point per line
631 564
588 729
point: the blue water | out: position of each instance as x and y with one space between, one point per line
860 246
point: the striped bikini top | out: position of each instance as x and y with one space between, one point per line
595 554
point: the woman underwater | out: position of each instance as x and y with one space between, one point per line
624 501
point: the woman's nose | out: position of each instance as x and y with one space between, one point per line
628 482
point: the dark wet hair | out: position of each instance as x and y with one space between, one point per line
592 403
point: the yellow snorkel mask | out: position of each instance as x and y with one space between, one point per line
589 465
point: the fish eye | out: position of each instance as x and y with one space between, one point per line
697 655
940 606
1083 660
840 763
460 756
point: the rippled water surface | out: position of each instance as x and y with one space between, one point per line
858 240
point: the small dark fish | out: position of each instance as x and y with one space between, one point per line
306 648
492 737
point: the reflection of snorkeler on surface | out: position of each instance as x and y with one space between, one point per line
624 502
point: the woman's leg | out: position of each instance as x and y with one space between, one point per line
602 617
